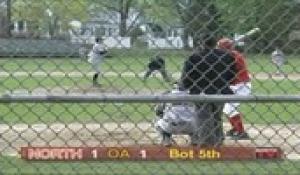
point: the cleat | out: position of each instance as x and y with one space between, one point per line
194 140
240 136
167 140
230 133
95 84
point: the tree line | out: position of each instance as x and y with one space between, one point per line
276 18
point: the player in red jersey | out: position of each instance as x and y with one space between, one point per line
240 85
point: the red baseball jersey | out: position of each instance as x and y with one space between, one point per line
240 64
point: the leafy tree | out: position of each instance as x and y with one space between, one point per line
122 8
49 15
276 18
197 17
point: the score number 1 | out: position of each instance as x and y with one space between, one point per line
94 153
143 153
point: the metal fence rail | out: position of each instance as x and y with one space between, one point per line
147 99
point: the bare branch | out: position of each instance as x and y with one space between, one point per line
134 22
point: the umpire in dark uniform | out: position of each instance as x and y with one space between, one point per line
208 71
157 63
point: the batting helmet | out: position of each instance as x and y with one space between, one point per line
225 43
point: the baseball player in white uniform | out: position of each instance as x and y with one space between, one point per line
95 57
278 60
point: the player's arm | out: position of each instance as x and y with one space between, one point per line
101 50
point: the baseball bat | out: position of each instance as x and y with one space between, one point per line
247 34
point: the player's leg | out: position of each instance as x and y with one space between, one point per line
230 110
236 120
210 129
237 131
96 68
234 116
278 72
95 78
165 75
279 69
147 74
162 127
166 139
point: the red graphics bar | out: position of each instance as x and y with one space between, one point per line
158 153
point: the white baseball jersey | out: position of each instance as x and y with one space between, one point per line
95 54
278 57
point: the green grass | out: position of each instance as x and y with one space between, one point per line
115 64
255 113
84 113
275 87
262 63
132 63
19 167
127 84
88 113
116 84
271 113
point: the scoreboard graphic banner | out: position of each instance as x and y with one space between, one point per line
135 153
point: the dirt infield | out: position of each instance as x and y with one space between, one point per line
124 134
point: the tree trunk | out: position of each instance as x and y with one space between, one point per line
8 17
53 27
123 25
124 11
50 28
185 39
2 24
5 21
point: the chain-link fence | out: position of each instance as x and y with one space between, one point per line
149 87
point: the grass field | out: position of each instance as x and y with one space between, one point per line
49 113
100 113
127 84
129 62
17 166
255 113
272 113
132 63
31 113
